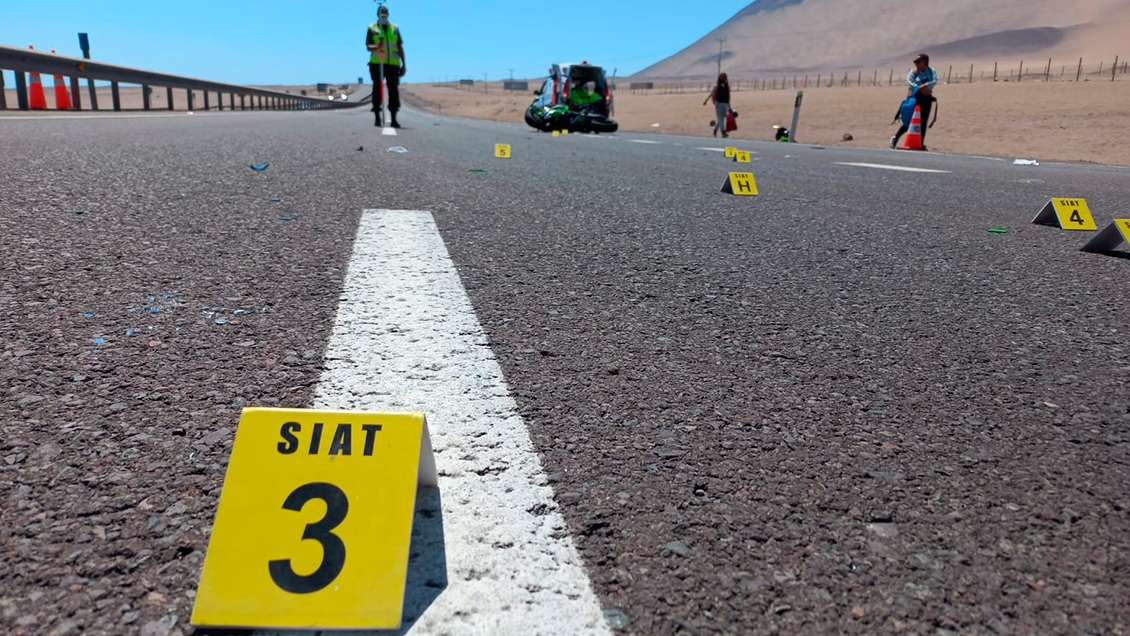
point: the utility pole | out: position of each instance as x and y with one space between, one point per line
485 88
721 41
511 74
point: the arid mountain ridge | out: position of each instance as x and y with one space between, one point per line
796 36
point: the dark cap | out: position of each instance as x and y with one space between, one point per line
922 57
382 11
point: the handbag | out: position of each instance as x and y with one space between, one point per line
731 121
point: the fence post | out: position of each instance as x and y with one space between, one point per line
1080 71
859 79
875 78
169 95
818 83
116 97
1020 75
994 71
970 73
948 74
796 116
1048 71
1114 69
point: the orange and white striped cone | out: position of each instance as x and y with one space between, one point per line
62 97
914 135
37 100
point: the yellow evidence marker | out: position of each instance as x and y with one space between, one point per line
741 156
1068 214
502 151
730 152
740 183
315 520
556 133
564 131
1113 235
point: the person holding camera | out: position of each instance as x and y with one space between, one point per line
920 86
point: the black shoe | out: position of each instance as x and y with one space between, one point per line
395 124
894 142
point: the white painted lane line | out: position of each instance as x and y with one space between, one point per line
406 338
643 141
712 149
882 166
388 132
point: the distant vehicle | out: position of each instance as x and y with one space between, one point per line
553 109
345 98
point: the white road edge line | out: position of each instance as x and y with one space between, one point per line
882 166
712 149
406 338
643 141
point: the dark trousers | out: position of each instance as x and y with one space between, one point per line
392 80
926 104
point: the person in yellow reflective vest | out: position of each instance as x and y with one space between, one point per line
584 95
386 50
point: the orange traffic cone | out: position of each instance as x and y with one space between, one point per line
914 135
62 97
38 101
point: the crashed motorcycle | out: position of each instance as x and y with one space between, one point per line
552 110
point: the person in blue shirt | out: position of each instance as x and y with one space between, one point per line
920 81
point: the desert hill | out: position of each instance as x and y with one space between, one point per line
798 36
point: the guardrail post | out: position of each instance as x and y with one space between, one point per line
242 103
145 96
169 95
3 93
260 102
21 90
76 96
114 94
205 100
219 101
189 92
232 100
93 93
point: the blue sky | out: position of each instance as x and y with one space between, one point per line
298 42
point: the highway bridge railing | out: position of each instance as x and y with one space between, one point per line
22 61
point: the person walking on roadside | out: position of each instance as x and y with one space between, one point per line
921 81
386 52
721 96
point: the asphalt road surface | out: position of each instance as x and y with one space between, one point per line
841 406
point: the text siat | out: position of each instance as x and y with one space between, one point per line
317 438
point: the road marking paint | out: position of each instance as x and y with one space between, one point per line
388 131
712 149
882 166
406 338
643 141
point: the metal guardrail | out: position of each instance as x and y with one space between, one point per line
23 61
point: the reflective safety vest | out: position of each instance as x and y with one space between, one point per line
581 97
388 51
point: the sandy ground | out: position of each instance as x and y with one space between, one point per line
131 95
1086 121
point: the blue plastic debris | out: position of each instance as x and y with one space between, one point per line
286 218
132 309
260 166
275 199
129 332
152 298
88 315
221 321
99 341
238 312
155 310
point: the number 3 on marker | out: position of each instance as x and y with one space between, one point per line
333 550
